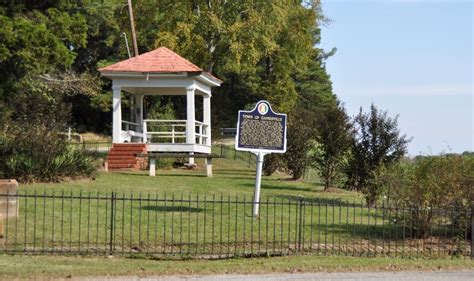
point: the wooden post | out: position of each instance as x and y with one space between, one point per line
132 29
209 167
138 112
190 120
117 115
207 118
152 167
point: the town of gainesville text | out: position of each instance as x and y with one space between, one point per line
268 118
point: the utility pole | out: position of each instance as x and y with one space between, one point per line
135 54
132 28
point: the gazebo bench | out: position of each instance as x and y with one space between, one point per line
153 156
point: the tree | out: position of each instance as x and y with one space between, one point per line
261 49
333 142
301 132
315 95
377 141
34 44
256 47
33 146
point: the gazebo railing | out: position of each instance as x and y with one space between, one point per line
129 130
131 126
202 132
173 130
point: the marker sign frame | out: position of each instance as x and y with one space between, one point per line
253 124
260 115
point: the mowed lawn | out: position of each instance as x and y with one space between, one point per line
46 267
231 178
178 211
173 228
184 213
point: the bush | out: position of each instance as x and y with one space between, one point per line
377 142
428 184
32 146
271 163
66 162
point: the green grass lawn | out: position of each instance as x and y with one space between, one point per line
231 178
34 267
183 212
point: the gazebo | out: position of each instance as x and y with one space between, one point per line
159 72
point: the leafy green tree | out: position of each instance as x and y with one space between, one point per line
40 37
256 47
333 142
301 133
35 38
377 141
261 49
314 89
33 146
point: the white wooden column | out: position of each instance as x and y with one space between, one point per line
190 119
138 108
138 112
207 117
117 115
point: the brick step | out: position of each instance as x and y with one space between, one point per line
129 145
126 148
131 162
122 156
122 166
113 157
124 153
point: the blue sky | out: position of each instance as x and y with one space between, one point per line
412 58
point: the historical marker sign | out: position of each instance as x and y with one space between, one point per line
261 130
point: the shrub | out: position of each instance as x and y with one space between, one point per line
33 147
65 162
271 163
377 142
428 184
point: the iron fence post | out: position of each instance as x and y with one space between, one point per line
300 222
112 217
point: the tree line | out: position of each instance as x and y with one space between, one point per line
50 52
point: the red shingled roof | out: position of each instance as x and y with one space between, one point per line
161 60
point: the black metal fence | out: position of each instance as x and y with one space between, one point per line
213 226
243 156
